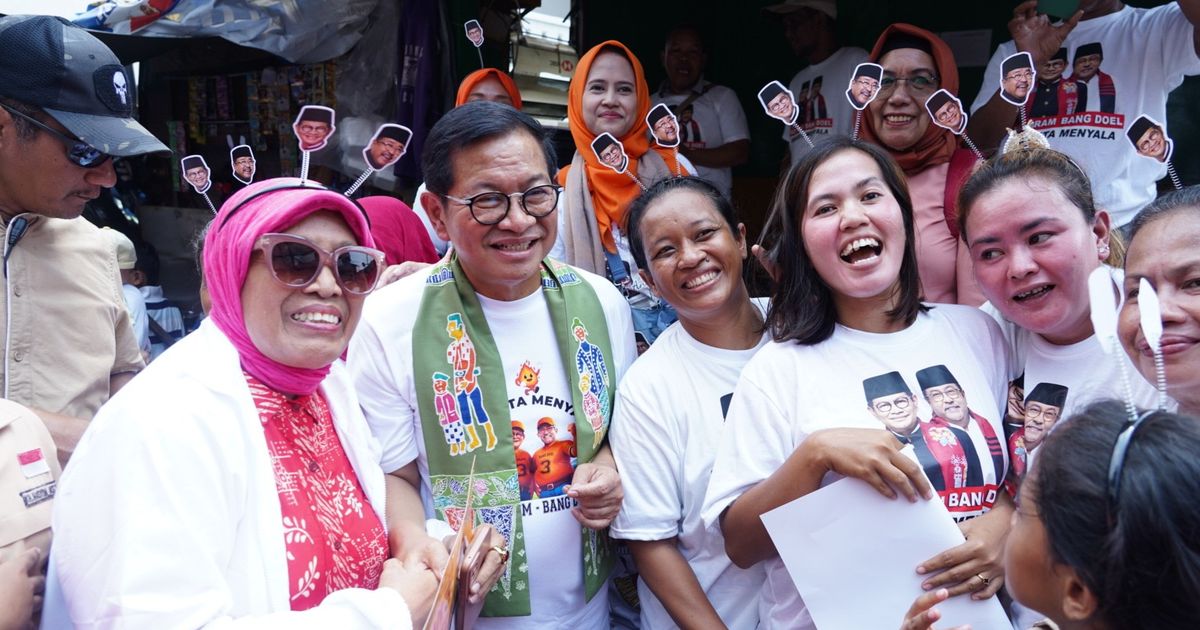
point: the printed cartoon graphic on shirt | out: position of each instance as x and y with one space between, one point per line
461 355
1081 104
593 380
525 466
528 378
447 413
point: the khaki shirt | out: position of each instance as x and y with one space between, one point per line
29 471
67 329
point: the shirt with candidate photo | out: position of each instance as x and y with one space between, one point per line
1146 53
788 391
837 117
716 118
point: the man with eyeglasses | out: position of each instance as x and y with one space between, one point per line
892 403
66 106
810 27
491 193
949 404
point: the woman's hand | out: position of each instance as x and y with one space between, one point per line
1033 33
977 565
415 582
872 455
484 562
922 614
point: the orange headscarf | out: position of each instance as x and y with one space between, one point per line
478 76
611 191
938 144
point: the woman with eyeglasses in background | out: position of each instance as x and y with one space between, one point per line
916 63
236 478
1104 535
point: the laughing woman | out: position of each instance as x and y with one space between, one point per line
671 409
857 366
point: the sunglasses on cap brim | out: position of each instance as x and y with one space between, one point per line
79 152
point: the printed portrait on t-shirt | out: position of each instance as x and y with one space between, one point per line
1085 68
864 85
610 152
777 101
1016 78
947 112
241 158
951 407
1043 406
690 134
1056 94
387 146
196 172
1149 139
474 32
313 127
663 126
814 106
525 464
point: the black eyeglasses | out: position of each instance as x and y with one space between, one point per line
490 208
1117 464
917 83
79 152
296 262
290 185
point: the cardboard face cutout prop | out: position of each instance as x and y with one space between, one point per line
196 172
947 112
314 126
241 159
610 152
1150 139
663 126
387 146
1016 78
778 102
864 85
474 32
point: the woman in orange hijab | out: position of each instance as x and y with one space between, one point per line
488 84
608 94
915 64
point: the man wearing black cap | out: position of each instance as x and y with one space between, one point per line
811 29
1055 95
892 403
1101 90
1043 407
950 408
387 146
243 163
313 126
1149 139
66 106
610 152
662 126
1017 78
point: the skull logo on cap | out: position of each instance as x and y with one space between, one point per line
121 87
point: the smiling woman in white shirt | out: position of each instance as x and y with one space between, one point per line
671 408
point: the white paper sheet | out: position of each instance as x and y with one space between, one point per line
853 555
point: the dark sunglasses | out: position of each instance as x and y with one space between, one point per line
296 262
79 152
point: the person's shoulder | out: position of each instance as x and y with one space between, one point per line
654 364
848 54
386 303
605 291
961 314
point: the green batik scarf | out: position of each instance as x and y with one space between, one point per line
461 388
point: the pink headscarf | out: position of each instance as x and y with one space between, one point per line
227 249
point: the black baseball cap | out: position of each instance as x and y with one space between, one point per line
61 68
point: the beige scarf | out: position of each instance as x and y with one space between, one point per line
580 231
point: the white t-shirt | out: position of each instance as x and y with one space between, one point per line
788 391
716 120
380 361
666 428
1082 367
135 303
827 113
1146 54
